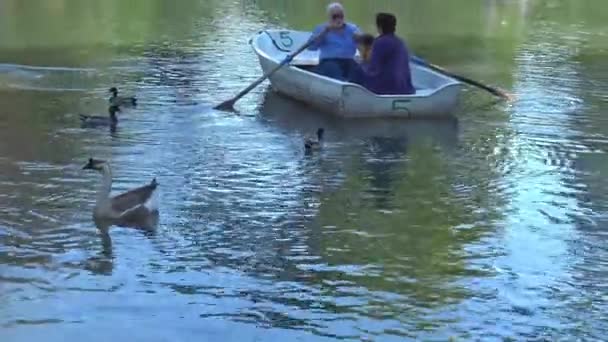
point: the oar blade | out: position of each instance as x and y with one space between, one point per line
227 106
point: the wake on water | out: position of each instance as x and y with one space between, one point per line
43 78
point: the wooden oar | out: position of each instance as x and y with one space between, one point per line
494 90
229 104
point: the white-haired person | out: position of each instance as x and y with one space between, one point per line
336 41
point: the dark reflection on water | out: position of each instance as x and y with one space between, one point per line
489 226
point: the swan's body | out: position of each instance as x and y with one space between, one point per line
121 101
110 120
311 144
131 208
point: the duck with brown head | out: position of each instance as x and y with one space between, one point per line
132 208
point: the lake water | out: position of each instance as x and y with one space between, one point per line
492 226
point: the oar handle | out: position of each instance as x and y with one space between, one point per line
418 60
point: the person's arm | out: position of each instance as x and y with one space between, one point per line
357 33
318 37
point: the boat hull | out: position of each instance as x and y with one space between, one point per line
436 95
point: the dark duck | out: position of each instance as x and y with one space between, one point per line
121 101
94 121
314 144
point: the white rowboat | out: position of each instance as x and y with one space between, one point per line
436 94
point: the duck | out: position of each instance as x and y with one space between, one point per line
311 144
132 208
111 120
118 101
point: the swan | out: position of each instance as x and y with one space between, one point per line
131 208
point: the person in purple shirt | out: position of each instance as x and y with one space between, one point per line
388 72
337 46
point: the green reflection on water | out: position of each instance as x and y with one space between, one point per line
73 33
412 243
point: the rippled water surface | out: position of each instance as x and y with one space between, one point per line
490 226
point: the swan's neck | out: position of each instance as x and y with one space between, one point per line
106 184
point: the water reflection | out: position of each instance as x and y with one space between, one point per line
102 264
